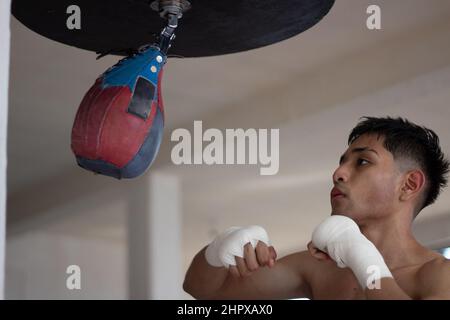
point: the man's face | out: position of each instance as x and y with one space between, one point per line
368 179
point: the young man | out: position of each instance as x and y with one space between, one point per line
365 250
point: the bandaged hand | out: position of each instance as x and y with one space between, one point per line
341 239
248 243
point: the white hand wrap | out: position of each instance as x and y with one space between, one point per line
221 252
340 237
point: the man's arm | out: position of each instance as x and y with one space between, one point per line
283 280
202 280
389 289
340 239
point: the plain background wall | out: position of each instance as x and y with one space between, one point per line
39 261
4 77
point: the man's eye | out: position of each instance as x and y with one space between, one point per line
361 161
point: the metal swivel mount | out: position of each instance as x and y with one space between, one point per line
172 11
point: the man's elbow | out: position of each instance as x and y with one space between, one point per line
189 288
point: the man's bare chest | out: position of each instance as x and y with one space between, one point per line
341 284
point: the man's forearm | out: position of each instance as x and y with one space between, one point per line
389 290
202 281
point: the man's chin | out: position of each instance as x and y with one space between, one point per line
340 213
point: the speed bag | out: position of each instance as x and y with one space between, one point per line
119 125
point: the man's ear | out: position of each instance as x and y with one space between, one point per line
413 184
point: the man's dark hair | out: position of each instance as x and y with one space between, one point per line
406 140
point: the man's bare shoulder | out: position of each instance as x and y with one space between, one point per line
435 267
299 257
301 261
434 277
304 266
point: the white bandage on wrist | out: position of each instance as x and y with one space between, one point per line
221 252
340 237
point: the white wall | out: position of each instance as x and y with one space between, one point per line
4 77
77 232
37 263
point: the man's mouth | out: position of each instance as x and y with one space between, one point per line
336 194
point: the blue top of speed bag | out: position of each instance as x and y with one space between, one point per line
119 124
128 69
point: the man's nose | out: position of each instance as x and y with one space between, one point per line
340 175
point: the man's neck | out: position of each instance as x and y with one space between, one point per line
394 239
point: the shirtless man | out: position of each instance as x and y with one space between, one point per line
391 170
